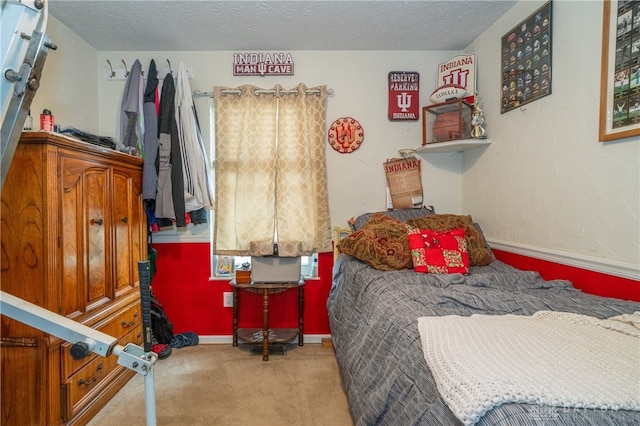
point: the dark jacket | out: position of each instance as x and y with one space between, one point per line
169 135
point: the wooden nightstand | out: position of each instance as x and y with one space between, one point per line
268 336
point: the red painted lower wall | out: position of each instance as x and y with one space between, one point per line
193 303
588 281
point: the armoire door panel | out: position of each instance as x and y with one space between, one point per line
23 251
97 221
72 236
138 226
123 220
72 246
85 237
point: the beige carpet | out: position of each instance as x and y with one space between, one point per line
223 385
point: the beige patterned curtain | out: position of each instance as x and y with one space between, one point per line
271 179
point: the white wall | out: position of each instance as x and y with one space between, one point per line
77 88
546 182
69 81
359 81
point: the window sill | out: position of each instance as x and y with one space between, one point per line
229 278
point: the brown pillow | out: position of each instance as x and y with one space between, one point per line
479 255
401 214
382 243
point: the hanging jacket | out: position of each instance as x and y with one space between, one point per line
197 190
150 149
170 197
131 120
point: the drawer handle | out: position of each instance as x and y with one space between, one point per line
124 219
83 382
135 320
96 222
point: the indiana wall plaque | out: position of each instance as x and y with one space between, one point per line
404 95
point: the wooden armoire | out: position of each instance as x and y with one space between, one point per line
73 230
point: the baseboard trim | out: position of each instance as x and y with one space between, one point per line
224 340
605 266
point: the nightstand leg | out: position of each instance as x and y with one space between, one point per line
265 325
235 316
300 315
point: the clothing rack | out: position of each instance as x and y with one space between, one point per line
121 73
200 94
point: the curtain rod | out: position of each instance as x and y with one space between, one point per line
199 94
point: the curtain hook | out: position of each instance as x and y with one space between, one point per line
126 70
170 70
111 73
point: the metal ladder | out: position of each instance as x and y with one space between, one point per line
22 66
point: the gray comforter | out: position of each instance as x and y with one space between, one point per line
373 317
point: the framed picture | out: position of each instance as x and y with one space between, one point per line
620 81
526 60
224 265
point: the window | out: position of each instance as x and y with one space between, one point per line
270 171
266 143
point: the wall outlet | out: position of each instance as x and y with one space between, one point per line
227 299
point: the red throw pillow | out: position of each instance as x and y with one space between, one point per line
439 252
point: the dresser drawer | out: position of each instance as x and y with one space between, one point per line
134 336
86 382
117 326
90 380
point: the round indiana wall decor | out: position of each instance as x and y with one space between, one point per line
346 135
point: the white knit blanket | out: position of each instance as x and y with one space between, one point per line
551 358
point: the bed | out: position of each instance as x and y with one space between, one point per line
373 316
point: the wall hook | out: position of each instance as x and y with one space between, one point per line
170 70
112 72
126 70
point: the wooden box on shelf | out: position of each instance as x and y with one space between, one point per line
243 276
446 121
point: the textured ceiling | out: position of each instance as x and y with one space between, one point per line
181 25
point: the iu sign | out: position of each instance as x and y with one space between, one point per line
460 70
404 95
262 64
